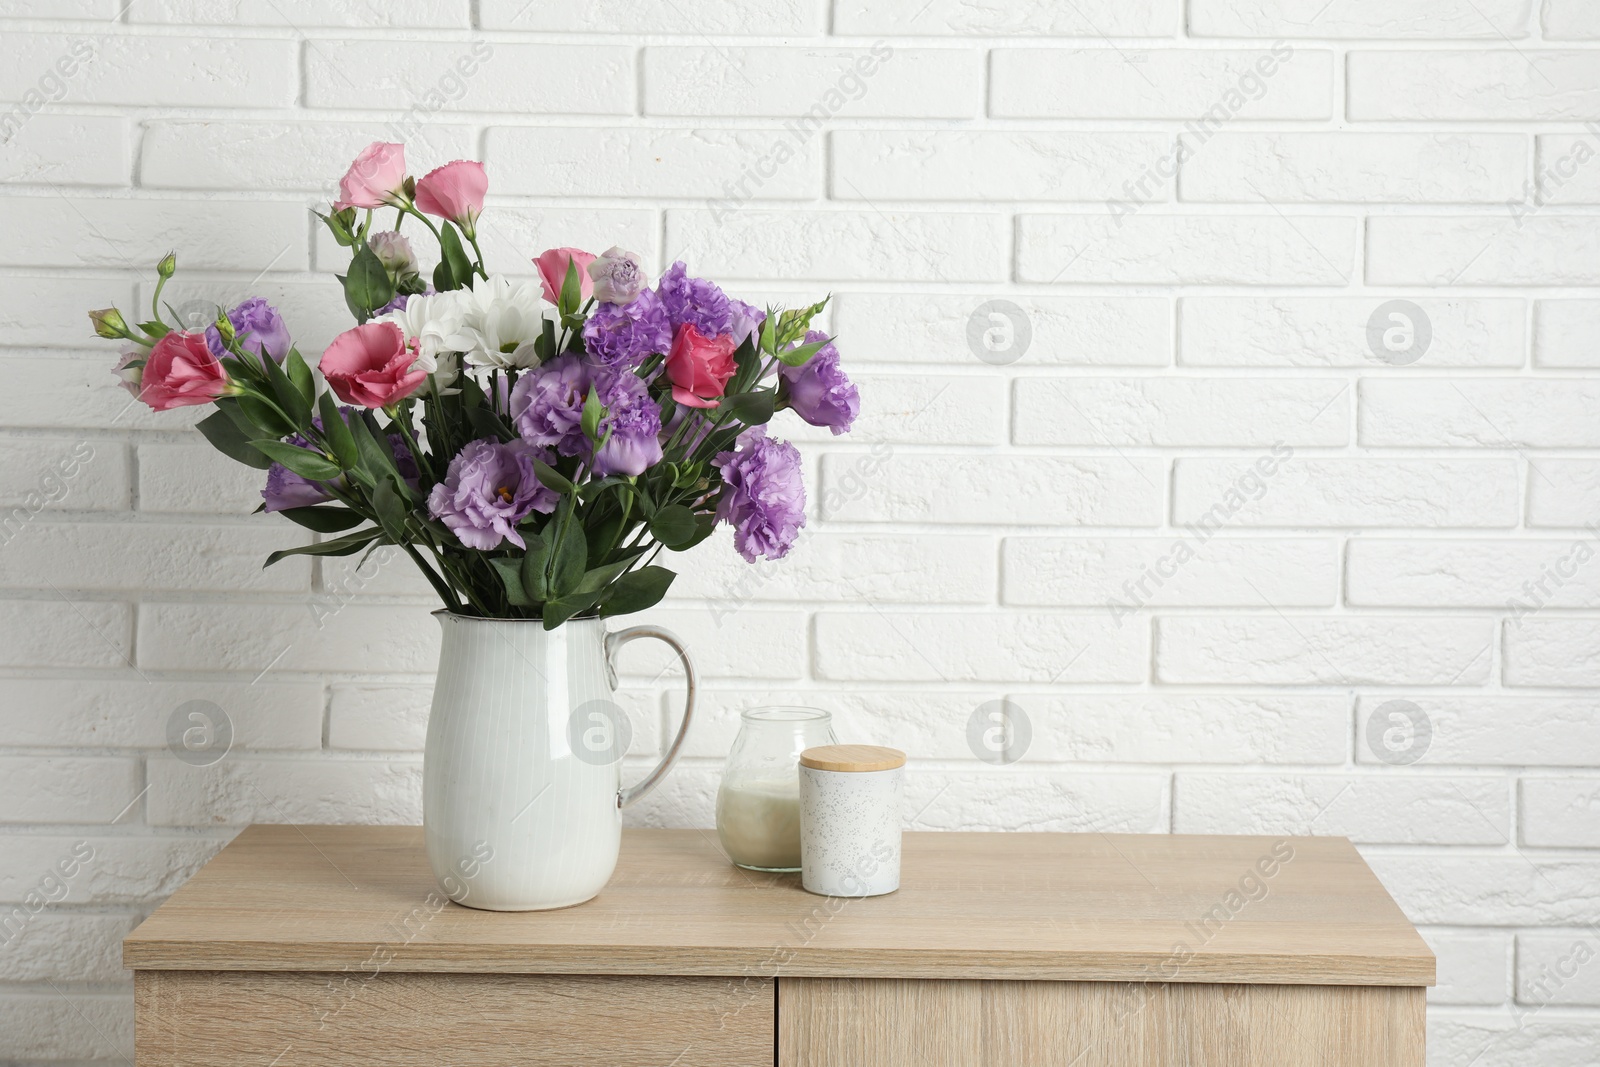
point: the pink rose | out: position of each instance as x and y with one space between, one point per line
455 192
376 178
699 366
553 271
371 365
180 371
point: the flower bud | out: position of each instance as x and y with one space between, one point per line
168 265
394 252
108 323
224 327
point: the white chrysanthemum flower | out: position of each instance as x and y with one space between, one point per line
437 323
504 319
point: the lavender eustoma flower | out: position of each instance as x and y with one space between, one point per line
819 391
489 488
763 498
619 337
746 319
633 421
694 300
259 328
547 405
618 276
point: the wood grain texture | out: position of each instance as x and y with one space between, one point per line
848 1022
852 758
1077 907
356 1019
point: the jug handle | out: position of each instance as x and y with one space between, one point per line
614 642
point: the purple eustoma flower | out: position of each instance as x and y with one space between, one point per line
547 405
489 488
633 420
259 328
694 300
819 391
746 319
619 337
763 496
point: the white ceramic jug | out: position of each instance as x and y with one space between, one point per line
522 777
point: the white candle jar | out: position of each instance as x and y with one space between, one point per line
758 802
850 798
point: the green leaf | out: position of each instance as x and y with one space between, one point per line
154 329
510 571
704 525
597 578
302 461
568 560
593 412
323 519
551 478
642 589
226 437
337 432
377 462
486 423
559 610
456 257
264 418
368 286
348 545
769 336
294 403
300 375
443 280
535 563
753 408
673 525
797 357
341 224
391 508
571 290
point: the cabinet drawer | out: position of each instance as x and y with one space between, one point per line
349 1019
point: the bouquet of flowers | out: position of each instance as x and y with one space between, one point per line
532 447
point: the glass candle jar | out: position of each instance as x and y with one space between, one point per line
758 803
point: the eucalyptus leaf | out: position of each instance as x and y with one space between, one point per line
510 571
637 591
568 559
559 610
535 565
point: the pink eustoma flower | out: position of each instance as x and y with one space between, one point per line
181 371
377 177
699 367
455 192
371 365
552 266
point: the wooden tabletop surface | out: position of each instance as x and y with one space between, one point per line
1092 907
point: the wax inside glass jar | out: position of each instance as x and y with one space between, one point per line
758 804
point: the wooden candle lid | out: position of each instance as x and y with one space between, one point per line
852 758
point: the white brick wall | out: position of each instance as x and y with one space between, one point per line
1198 498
